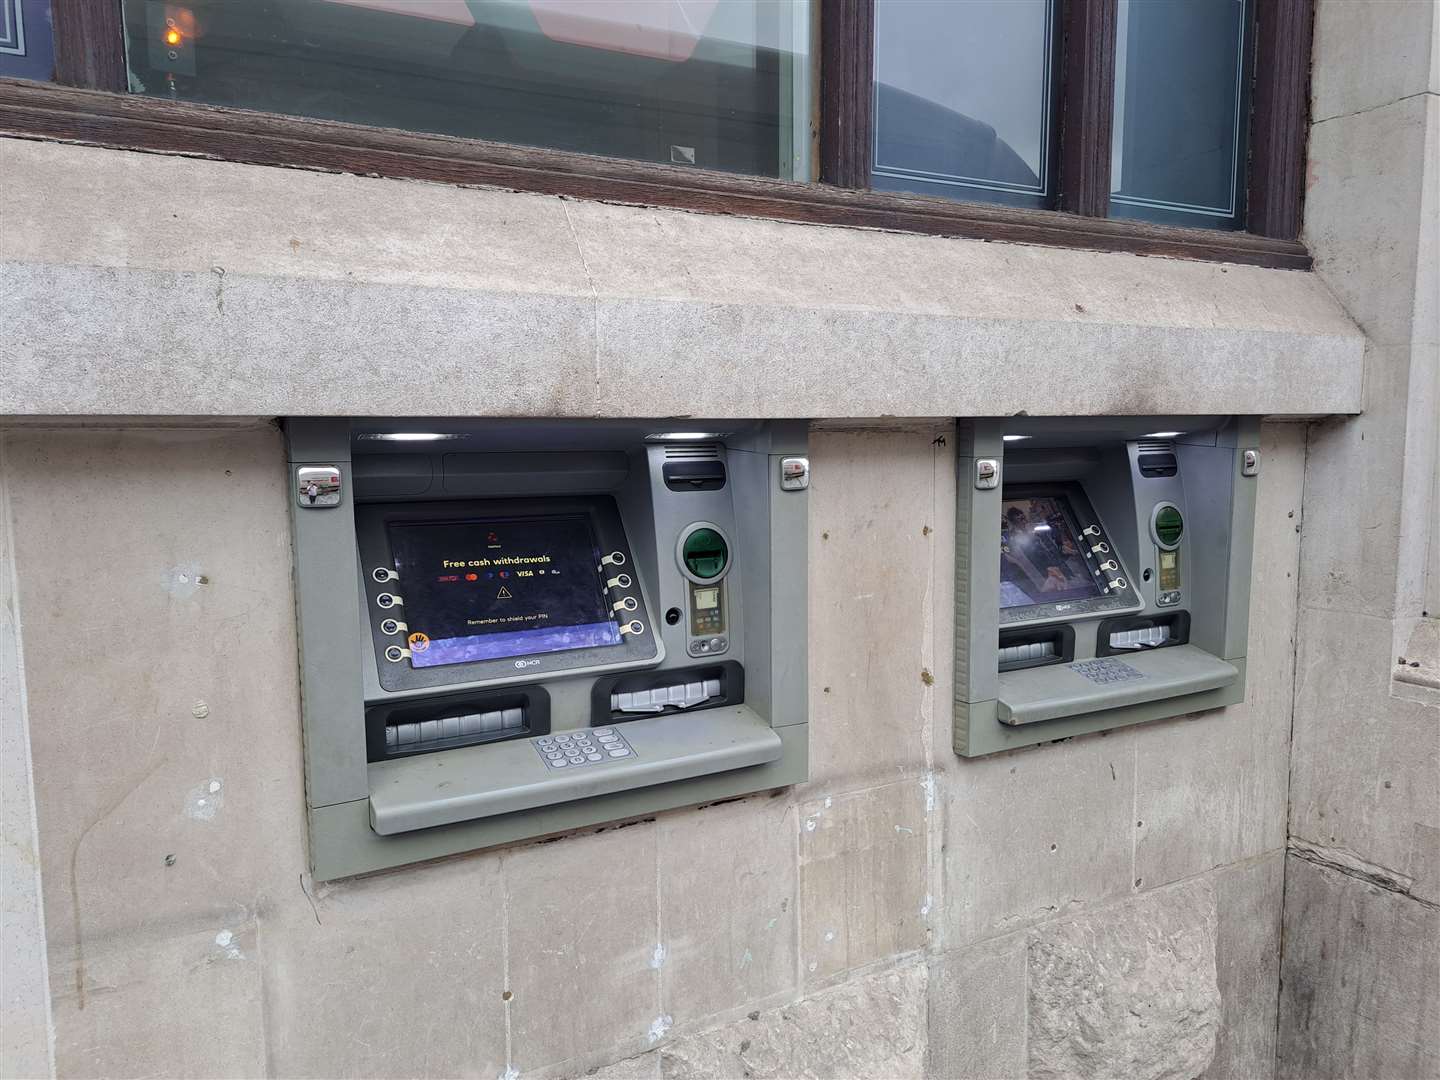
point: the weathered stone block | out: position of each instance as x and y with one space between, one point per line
727 906
583 930
872 1027
1360 979
169 1002
164 574
1247 966
1037 832
976 1007
1367 55
1364 762
1128 991
863 861
871 500
391 975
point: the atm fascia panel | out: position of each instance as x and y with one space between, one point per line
430 724
1047 644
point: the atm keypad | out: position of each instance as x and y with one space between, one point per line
575 749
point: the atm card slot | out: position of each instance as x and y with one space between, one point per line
1138 633
486 781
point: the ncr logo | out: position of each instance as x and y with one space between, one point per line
526 663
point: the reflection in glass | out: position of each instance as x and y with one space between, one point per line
718 84
1177 156
963 100
26 49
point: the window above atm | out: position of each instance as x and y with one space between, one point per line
1160 126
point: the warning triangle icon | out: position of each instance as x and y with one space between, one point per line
504 594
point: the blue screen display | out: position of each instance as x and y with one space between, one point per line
489 588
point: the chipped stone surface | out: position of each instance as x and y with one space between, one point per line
872 1027
1128 991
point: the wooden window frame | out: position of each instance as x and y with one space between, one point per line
88 104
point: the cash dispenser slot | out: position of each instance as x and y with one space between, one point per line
1137 633
648 693
485 781
419 727
1027 648
1088 686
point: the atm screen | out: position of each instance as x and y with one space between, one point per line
1041 558
486 588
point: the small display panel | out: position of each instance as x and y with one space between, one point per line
1169 570
1041 558
487 588
707 615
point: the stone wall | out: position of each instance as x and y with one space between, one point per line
1361 987
1103 906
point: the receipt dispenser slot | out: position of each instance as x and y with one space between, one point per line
484 651
1103 570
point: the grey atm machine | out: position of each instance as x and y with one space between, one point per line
509 629
1102 574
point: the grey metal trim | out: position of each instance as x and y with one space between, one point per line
342 843
485 781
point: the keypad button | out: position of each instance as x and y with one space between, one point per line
559 764
620 752
603 731
594 757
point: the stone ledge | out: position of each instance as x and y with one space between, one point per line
151 285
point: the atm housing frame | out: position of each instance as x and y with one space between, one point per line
338 661
1219 620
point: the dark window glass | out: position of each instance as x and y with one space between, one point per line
26 51
964 102
1181 112
718 84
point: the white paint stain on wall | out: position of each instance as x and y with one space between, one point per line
182 581
225 942
658 1028
203 802
657 957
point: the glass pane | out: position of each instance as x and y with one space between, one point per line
963 100
1180 112
26 51
713 83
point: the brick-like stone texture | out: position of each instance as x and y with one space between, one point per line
872 1027
1128 991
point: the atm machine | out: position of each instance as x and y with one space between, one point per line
513 628
1102 573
